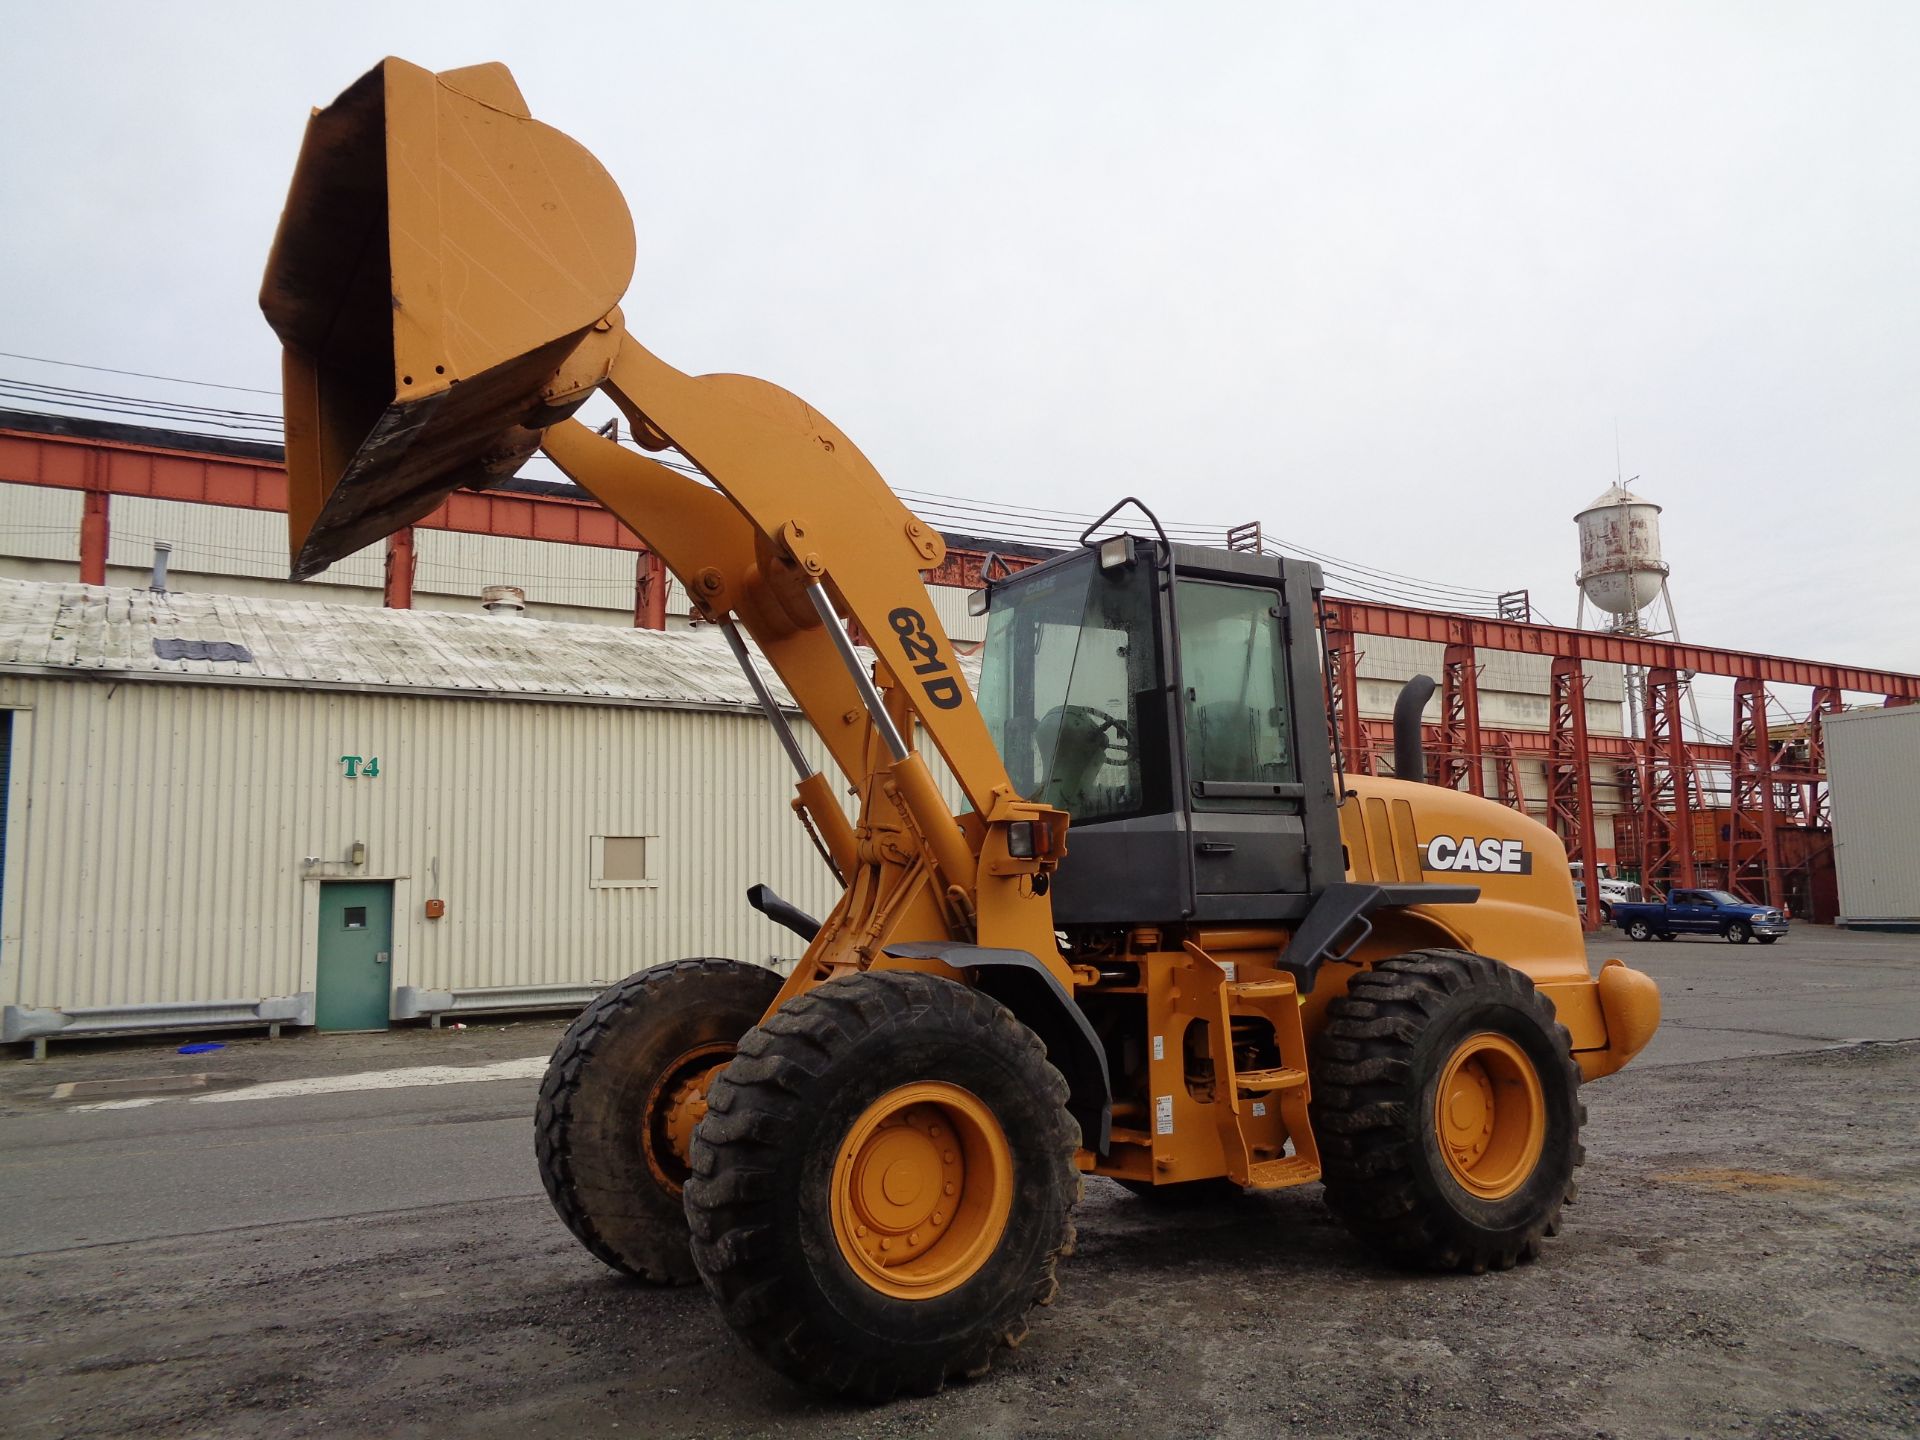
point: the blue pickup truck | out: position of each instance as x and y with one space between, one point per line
1700 912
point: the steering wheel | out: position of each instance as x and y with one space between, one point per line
1117 735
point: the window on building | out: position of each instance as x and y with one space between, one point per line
621 860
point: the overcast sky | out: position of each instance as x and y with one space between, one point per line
1383 277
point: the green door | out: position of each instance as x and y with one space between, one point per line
356 956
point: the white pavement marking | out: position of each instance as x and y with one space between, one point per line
531 1068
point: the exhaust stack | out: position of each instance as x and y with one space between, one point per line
1409 755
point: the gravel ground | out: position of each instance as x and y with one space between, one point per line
1744 1260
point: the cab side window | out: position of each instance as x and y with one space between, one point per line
1233 679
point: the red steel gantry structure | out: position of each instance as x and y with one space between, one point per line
1775 785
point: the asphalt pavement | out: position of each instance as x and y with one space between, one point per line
176 1163
398 1158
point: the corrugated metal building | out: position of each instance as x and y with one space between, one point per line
194 780
1873 769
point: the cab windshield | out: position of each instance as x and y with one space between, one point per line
1069 685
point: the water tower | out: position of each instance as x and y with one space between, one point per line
1623 574
1620 566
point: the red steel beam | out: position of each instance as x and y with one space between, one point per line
1570 777
1753 849
1365 617
1532 744
1459 751
1343 693
1665 822
95 531
116 467
1506 771
400 564
649 592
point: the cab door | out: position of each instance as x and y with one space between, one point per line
1245 795
1689 912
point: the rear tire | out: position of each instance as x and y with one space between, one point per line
1446 1100
885 1109
1639 930
606 1125
1739 932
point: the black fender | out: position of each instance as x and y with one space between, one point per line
1337 922
1037 998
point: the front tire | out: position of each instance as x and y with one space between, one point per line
883 1184
620 1100
1766 939
1639 930
1446 1099
1739 932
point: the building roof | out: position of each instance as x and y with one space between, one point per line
1616 494
110 632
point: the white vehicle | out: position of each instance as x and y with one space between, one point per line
1613 890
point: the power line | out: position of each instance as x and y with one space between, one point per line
182 408
137 374
1032 524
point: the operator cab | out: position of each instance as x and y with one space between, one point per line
1169 698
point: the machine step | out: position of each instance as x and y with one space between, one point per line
1260 989
1278 1174
1279 1078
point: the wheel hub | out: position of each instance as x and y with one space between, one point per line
674 1107
686 1107
1490 1116
922 1187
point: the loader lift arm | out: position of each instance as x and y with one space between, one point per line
445 284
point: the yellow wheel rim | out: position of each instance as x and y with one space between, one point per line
1491 1116
675 1104
922 1188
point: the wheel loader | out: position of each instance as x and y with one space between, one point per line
1165 940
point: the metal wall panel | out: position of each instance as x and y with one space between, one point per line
165 852
950 604
580 576
1514 688
224 540
38 523
589 584
1873 764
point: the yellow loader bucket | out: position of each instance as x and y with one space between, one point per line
441 255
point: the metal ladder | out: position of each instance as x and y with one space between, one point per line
1275 1000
